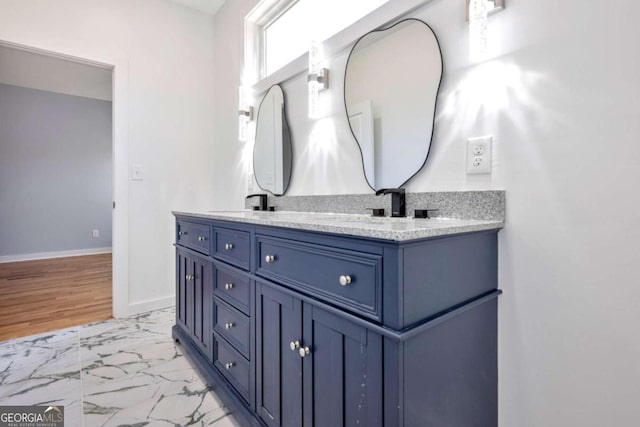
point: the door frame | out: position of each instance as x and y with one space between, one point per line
119 66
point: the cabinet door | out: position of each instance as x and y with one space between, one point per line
194 300
279 368
342 372
202 302
183 270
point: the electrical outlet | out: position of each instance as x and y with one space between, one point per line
478 150
479 155
95 233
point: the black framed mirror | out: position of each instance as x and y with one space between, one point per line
272 152
391 85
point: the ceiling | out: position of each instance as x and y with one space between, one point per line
207 6
44 72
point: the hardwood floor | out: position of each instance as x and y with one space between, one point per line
45 295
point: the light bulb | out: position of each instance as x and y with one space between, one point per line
313 84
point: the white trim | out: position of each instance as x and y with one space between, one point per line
120 216
150 305
120 118
57 254
383 16
55 55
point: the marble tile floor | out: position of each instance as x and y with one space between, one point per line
119 372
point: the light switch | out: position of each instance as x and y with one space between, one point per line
136 172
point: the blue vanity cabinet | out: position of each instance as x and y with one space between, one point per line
314 368
295 328
193 298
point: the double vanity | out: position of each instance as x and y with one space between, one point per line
323 319
317 315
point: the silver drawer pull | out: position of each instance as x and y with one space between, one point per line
294 345
304 351
189 277
182 233
228 286
229 365
228 246
228 325
269 258
201 238
345 280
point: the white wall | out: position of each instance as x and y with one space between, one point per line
169 50
561 99
55 172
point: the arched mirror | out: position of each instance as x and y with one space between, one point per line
272 153
391 83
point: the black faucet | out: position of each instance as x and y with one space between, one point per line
398 206
263 201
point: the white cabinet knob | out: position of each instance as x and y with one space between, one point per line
304 351
269 258
345 280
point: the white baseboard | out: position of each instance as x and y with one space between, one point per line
49 255
145 306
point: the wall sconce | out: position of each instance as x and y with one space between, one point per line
245 114
317 80
478 12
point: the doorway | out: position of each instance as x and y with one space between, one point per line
62 241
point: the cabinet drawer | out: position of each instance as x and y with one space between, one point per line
232 365
233 246
345 278
233 288
233 326
194 236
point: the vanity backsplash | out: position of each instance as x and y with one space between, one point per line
485 205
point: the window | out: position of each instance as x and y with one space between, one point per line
286 28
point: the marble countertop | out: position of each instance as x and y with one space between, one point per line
395 229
